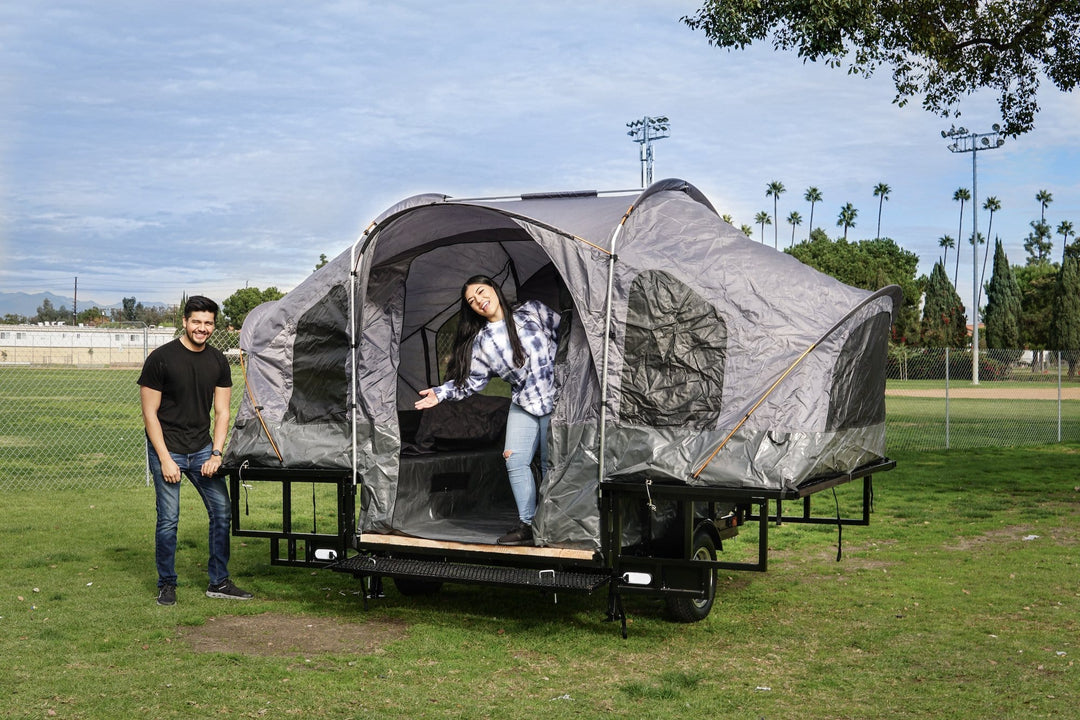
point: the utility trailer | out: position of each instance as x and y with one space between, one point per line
676 561
702 379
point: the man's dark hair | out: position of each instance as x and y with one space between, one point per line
200 303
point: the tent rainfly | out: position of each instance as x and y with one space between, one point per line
688 352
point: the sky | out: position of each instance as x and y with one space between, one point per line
152 149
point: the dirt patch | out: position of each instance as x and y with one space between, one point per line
270 634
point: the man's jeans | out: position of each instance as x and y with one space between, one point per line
524 432
215 494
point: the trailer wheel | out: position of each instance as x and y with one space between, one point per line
688 610
411 587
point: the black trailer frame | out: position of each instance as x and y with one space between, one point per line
678 572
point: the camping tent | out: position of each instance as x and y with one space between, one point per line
689 353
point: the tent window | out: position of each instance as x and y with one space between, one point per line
857 397
319 355
676 344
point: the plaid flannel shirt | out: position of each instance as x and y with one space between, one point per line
533 384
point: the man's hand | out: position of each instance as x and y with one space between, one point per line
170 470
211 466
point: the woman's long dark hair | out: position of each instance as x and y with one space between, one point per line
470 323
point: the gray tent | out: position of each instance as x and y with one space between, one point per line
726 363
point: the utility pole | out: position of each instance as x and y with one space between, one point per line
644 132
973 142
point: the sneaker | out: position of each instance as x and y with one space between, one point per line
227 591
520 535
166 595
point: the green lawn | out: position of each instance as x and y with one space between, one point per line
960 600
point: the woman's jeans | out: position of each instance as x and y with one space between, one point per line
524 433
215 496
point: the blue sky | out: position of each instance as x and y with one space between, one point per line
152 149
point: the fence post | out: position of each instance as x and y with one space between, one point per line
1059 393
946 398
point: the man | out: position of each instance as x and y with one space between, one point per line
181 382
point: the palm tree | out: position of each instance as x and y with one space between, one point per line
813 195
962 195
848 213
747 230
993 205
774 190
1044 198
794 219
1065 229
881 191
948 243
726 217
763 219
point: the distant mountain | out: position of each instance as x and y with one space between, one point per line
21 303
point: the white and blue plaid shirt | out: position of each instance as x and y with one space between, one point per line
533 384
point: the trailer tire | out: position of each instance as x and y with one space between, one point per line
411 587
690 610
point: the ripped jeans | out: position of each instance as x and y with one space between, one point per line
524 433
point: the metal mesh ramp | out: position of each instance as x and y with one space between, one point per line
439 570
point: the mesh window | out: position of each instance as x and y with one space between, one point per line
676 345
857 397
319 354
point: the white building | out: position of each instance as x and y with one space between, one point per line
68 345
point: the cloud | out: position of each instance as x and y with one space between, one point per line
215 145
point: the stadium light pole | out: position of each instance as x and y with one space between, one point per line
973 142
644 132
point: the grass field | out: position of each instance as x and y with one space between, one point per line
67 426
960 600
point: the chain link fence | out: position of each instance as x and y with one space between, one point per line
70 403
71 414
1021 398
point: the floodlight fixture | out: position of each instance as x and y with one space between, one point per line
973 143
644 131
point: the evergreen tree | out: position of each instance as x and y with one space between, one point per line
1038 243
1036 281
1065 315
944 322
1004 310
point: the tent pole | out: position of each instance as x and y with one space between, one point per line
354 346
612 257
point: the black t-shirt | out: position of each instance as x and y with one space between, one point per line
186 381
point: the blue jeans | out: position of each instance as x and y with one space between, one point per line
524 433
215 495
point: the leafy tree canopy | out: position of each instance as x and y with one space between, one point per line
237 306
942 51
1037 282
868 264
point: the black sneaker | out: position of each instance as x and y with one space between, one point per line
166 595
521 535
227 591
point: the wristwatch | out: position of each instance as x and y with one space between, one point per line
216 453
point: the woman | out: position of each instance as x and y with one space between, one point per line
522 353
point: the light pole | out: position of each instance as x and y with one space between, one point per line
643 132
973 142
